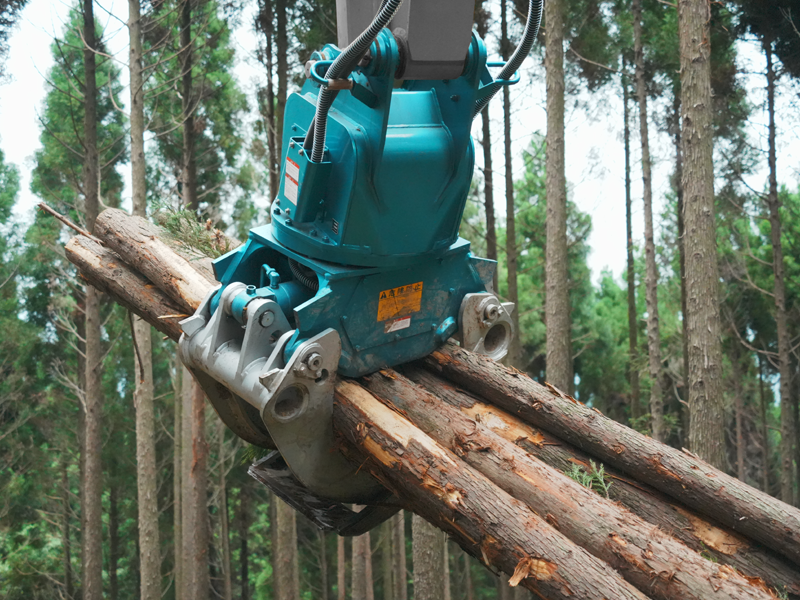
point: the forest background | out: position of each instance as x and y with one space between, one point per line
247 57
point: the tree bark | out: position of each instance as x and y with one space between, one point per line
244 552
779 292
515 347
177 488
281 51
635 548
702 534
633 322
679 474
286 573
189 164
341 569
113 541
707 429
400 572
484 520
764 428
264 23
224 524
66 542
387 560
427 546
359 581
198 478
651 270
149 542
91 508
324 584
557 309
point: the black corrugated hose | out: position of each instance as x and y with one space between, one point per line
524 47
340 69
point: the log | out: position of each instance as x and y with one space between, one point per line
679 474
645 555
698 532
488 523
104 269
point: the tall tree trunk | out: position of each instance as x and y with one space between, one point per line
224 525
514 350
738 405
557 320
779 291
387 559
764 427
400 574
189 175
504 592
282 48
428 560
368 574
265 24
468 587
707 432
91 527
198 493
676 107
149 542
244 552
341 569
324 583
177 473
488 190
633 327
113 540
446 567
651 270
287 577
66 543
359 567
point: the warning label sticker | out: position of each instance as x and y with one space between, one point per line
400 301
397 325
290 185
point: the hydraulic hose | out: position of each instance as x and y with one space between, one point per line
524 47
341 68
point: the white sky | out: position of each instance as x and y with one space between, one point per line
594 150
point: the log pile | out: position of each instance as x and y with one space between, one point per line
481 451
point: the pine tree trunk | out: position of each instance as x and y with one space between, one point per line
368 574
244 552
633 325
113 540
387 560
557 319
468 588
66 542
324 583
225 541
358 577
651 270
177 488
91 514
286 576
282 48
266 26
764 428
738 407
149 543
190 574
189 175
341 569
446 567
514 350
426 541
401 570
707 432
198 495
779 291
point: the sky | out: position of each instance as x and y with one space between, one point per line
594 147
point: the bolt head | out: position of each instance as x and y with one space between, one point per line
314 361
492 313
267 318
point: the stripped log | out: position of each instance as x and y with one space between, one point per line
680 474
698 532
487 522
642 553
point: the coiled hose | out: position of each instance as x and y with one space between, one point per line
340 69
524 47
304 275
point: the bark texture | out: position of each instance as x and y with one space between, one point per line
428 560
707 428
287 581
679 474
651 270
557 319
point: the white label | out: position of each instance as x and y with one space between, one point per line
290 189
292 169
397 325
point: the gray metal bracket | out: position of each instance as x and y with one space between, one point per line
485 325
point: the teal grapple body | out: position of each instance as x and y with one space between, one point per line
366 241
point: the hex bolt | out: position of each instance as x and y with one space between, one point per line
314 361
267 318
492 313
291 144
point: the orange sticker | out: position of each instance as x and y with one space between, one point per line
399 301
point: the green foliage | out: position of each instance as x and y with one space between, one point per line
593 478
